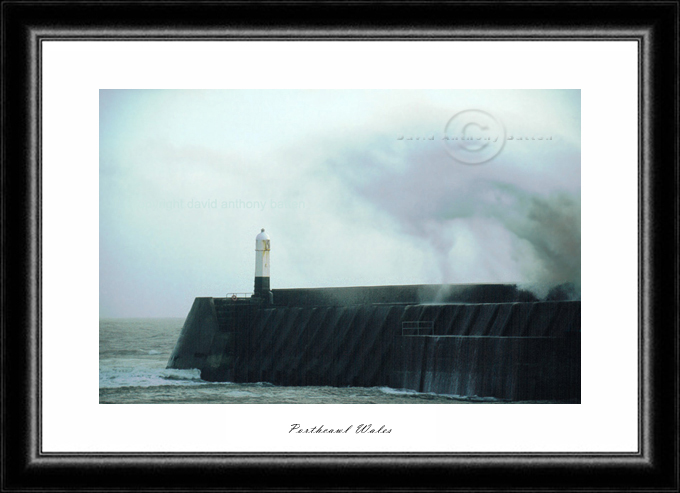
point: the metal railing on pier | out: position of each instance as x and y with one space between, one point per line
239 296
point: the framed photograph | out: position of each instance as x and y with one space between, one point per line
465 235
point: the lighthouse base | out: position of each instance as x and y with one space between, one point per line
261 285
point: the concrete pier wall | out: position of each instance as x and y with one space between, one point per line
421 293
514 351
197 337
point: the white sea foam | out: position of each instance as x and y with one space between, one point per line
148 377
391 391
472 398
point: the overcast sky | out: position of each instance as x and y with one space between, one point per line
188 178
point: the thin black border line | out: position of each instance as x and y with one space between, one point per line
641 443
644 90
657 17
534 455
315 35
36 74
643 439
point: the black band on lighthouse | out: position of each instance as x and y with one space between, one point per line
261 285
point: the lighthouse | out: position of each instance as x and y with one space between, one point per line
262 248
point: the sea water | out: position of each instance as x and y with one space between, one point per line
133 355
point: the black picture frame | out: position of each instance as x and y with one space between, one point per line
654 25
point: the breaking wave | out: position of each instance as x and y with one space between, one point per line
149 377
408 392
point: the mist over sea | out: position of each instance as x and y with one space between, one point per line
133 354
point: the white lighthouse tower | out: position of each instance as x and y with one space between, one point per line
262 248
